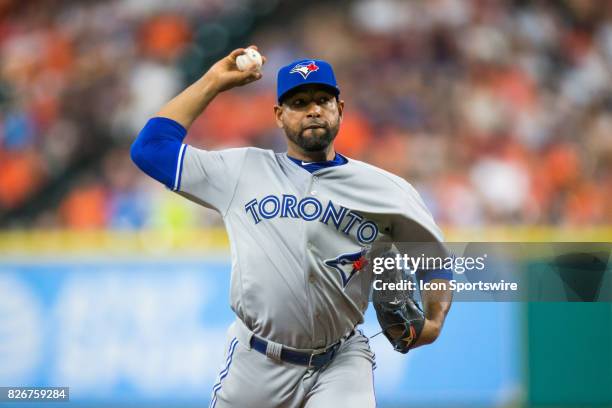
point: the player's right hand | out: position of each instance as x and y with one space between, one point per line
224 74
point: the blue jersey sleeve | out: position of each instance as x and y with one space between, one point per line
159 150
428 275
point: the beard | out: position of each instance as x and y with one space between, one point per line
313 140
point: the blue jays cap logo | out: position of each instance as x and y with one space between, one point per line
348 264
287 80
304 68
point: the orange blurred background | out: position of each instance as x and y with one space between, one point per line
500 113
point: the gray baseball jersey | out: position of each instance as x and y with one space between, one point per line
298 237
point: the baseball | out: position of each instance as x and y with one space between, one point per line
249 61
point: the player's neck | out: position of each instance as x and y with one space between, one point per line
309 157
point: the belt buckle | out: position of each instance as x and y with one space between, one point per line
316 353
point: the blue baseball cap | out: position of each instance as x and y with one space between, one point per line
302 72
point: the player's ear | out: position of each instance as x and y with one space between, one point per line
340 108
278 113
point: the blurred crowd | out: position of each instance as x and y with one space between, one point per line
498 112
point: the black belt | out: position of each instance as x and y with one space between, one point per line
316 359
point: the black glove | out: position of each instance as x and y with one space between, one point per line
399 315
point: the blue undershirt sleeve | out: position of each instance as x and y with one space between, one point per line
428 275
159 150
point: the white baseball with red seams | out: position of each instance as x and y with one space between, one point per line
249 61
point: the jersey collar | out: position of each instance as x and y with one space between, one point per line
311 167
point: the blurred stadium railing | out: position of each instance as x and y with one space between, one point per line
168 241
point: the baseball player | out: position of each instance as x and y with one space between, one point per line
300 225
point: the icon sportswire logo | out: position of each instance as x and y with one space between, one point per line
304 68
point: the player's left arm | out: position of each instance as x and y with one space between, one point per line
419 226
436 304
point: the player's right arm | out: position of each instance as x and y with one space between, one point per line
204 176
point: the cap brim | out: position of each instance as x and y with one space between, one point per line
335 91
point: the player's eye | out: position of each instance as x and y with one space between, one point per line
324 100
298 102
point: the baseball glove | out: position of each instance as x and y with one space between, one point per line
399 315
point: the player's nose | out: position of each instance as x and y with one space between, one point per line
314 110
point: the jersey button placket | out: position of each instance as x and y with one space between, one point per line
315 179
310 280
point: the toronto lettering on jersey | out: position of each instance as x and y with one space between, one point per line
311 209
